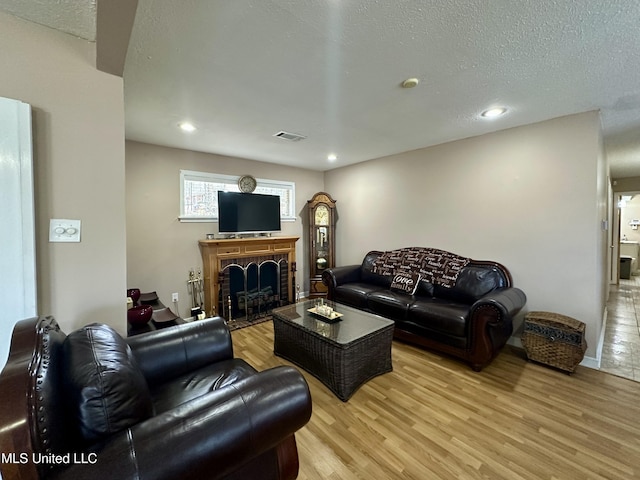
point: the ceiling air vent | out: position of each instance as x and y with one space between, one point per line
294 137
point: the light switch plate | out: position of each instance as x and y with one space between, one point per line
64 230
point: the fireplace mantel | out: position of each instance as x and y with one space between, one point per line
218 251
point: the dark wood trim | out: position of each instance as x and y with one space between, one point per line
17 378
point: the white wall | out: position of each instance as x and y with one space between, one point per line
531 198
160 249
603 237
78 131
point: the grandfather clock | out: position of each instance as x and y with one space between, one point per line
322 239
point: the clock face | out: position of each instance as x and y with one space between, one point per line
322 215
247 184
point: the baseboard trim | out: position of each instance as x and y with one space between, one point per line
590 362
597 361
515 342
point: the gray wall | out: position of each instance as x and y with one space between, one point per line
160 249
532 198
78 134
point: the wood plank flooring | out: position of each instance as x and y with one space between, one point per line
434 418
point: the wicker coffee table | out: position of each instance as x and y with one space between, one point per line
344 354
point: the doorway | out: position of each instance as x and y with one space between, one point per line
621 347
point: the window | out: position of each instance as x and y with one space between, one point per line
199 195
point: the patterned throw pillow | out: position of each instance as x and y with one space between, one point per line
406 282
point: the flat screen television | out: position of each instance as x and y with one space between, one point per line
248 212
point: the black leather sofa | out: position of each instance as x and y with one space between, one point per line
168 404
471 320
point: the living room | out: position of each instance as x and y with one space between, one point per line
571 170
486 188
533 197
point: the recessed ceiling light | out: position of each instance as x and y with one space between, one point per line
494 112
187 127
410 83
332 157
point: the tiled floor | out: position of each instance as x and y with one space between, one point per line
621 349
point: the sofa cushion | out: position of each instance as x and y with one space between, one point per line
106 389
440 315
425 288
198 382
473 283
368 276
406 282
354 294
390 303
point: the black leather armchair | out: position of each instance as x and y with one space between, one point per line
168 404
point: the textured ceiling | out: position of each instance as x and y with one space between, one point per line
331 70
75 17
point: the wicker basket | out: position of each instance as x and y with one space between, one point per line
554 339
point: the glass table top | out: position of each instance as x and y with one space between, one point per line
352 325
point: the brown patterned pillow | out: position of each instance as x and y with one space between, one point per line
406 282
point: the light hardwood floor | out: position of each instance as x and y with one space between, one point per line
434 418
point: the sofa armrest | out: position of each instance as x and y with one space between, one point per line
334 277
208 437
508 301
492 324
168 352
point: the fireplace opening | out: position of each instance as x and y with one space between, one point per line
253 289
